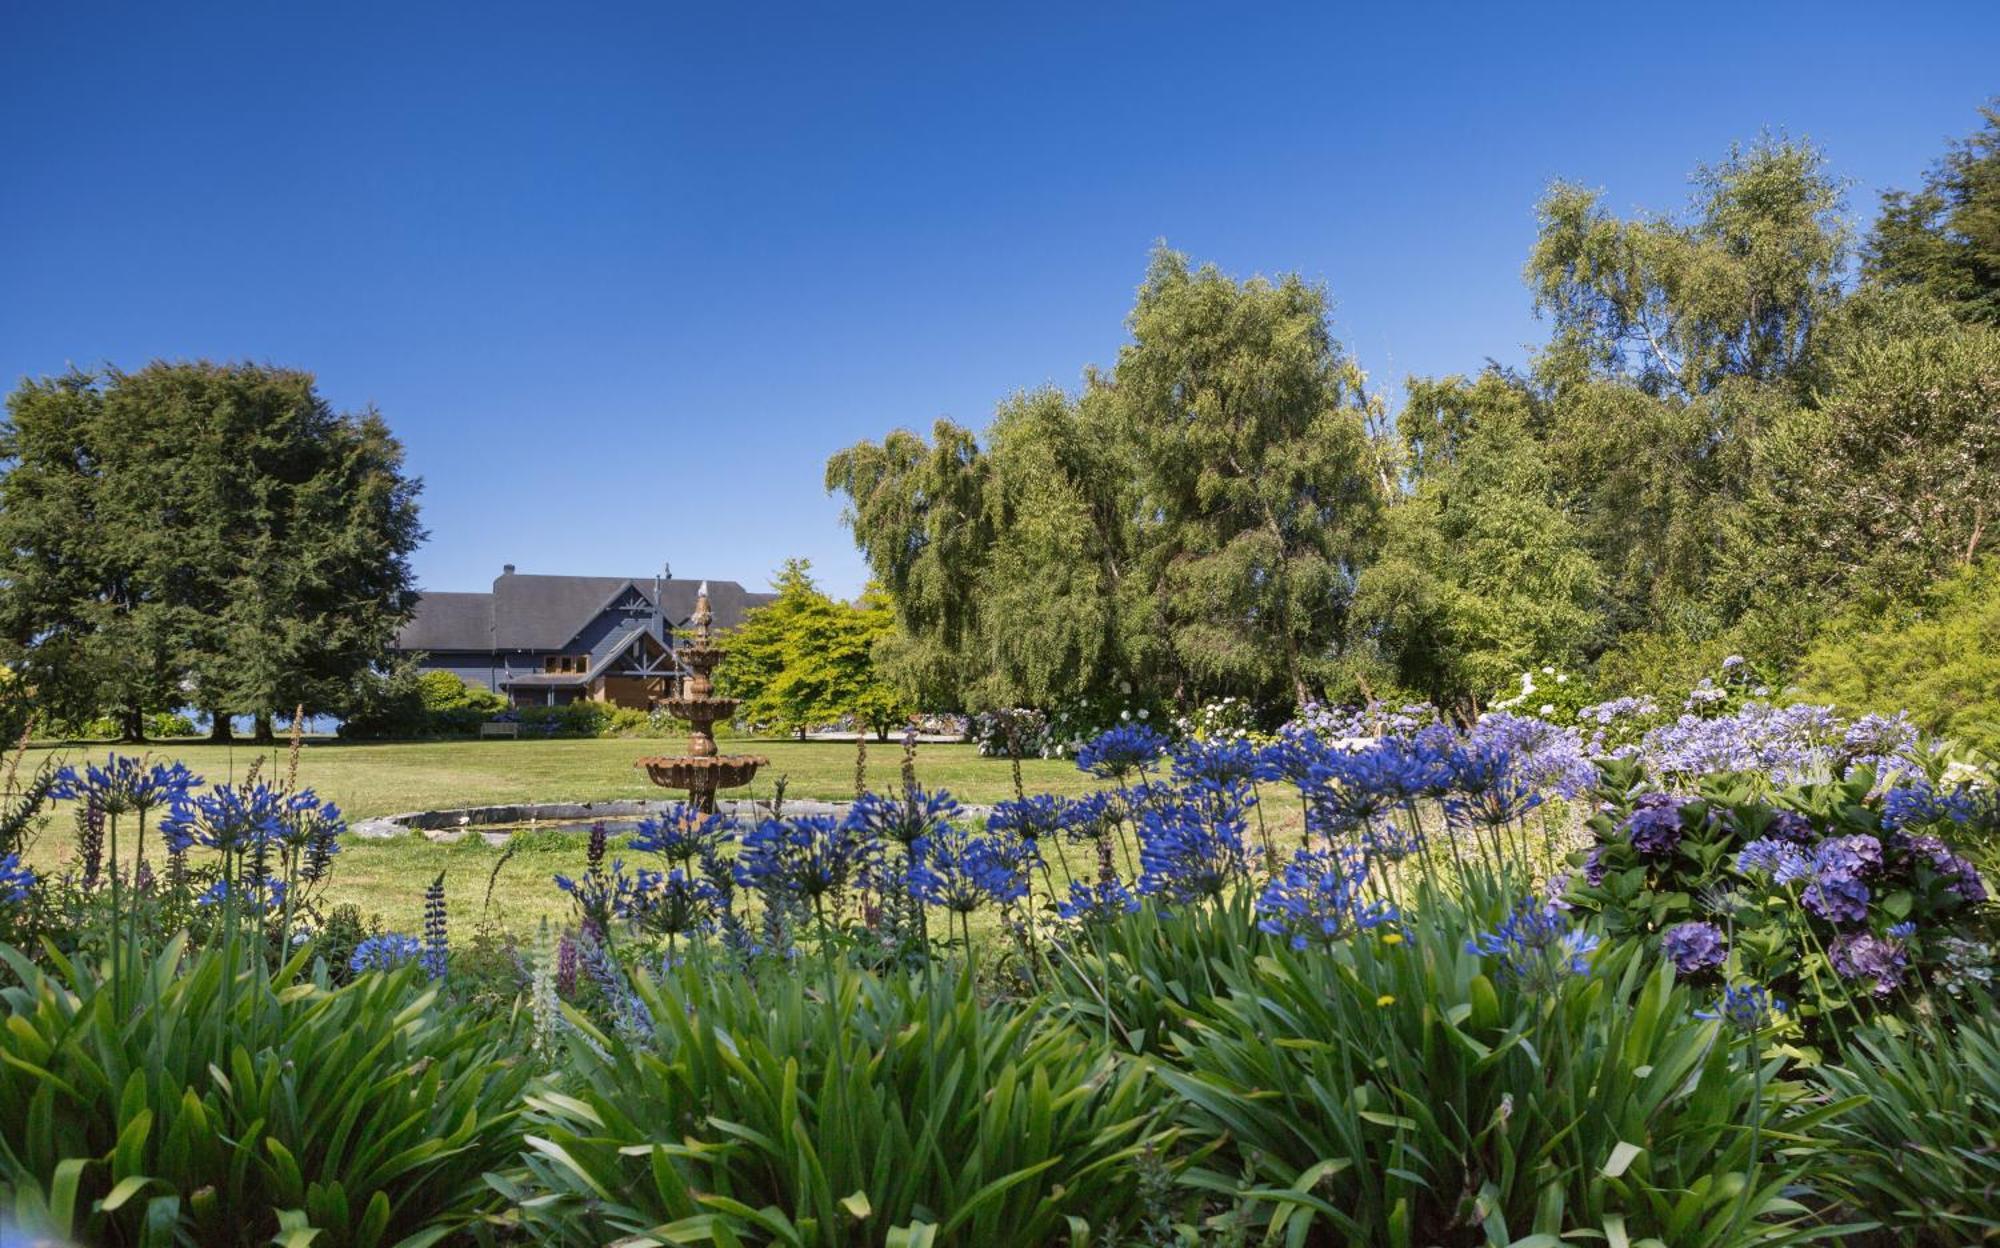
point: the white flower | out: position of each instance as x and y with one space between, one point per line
1548 708
1144 713
1548 671
1124 686
1563 679
1124 714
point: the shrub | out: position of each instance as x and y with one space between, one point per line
1407 1090
410 703
227 1109
571 719
876 1111
1843 897
1934 656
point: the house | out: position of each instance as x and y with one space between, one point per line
548 640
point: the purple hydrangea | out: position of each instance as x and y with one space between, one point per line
1837 899
1878 962
1655 827
1960 876
1593 867
1694 946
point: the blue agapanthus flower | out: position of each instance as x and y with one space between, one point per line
1320 897
251 893
1694 946
681 834
1102 902
16 881
808 856
1749 1008
671 903
1088 818
1224 760
1391 841
1031 818
1487 786
228 819
1537 945
906 818
1775 857
1122 751
599 894
1541 755
125 784
964 870
385 952
1920 803
310 828
1190 849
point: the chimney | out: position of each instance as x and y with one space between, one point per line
506 569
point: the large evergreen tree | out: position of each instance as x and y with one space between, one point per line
232 542
1945 238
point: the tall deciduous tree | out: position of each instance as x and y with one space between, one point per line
247 548
1257 497
918 511
1061 589
1483 574
1734 289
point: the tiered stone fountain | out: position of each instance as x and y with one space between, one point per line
701 771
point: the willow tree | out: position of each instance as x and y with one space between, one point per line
1060 589
918 512
1733 288
1257 493
1483 573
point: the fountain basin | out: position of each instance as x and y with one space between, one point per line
700 710
703 775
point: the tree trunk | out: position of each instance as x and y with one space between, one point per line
218 728
264 735
132 726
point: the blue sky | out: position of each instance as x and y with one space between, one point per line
621 278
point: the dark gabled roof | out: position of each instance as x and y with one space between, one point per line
544 612
447 621
527 612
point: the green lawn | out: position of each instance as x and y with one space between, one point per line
388 877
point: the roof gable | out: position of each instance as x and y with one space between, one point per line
530 612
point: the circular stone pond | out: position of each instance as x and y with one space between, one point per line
496 823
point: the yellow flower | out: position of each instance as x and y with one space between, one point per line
1392 938
1385 999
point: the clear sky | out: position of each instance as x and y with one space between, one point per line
621 278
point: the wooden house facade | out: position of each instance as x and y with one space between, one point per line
550 640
